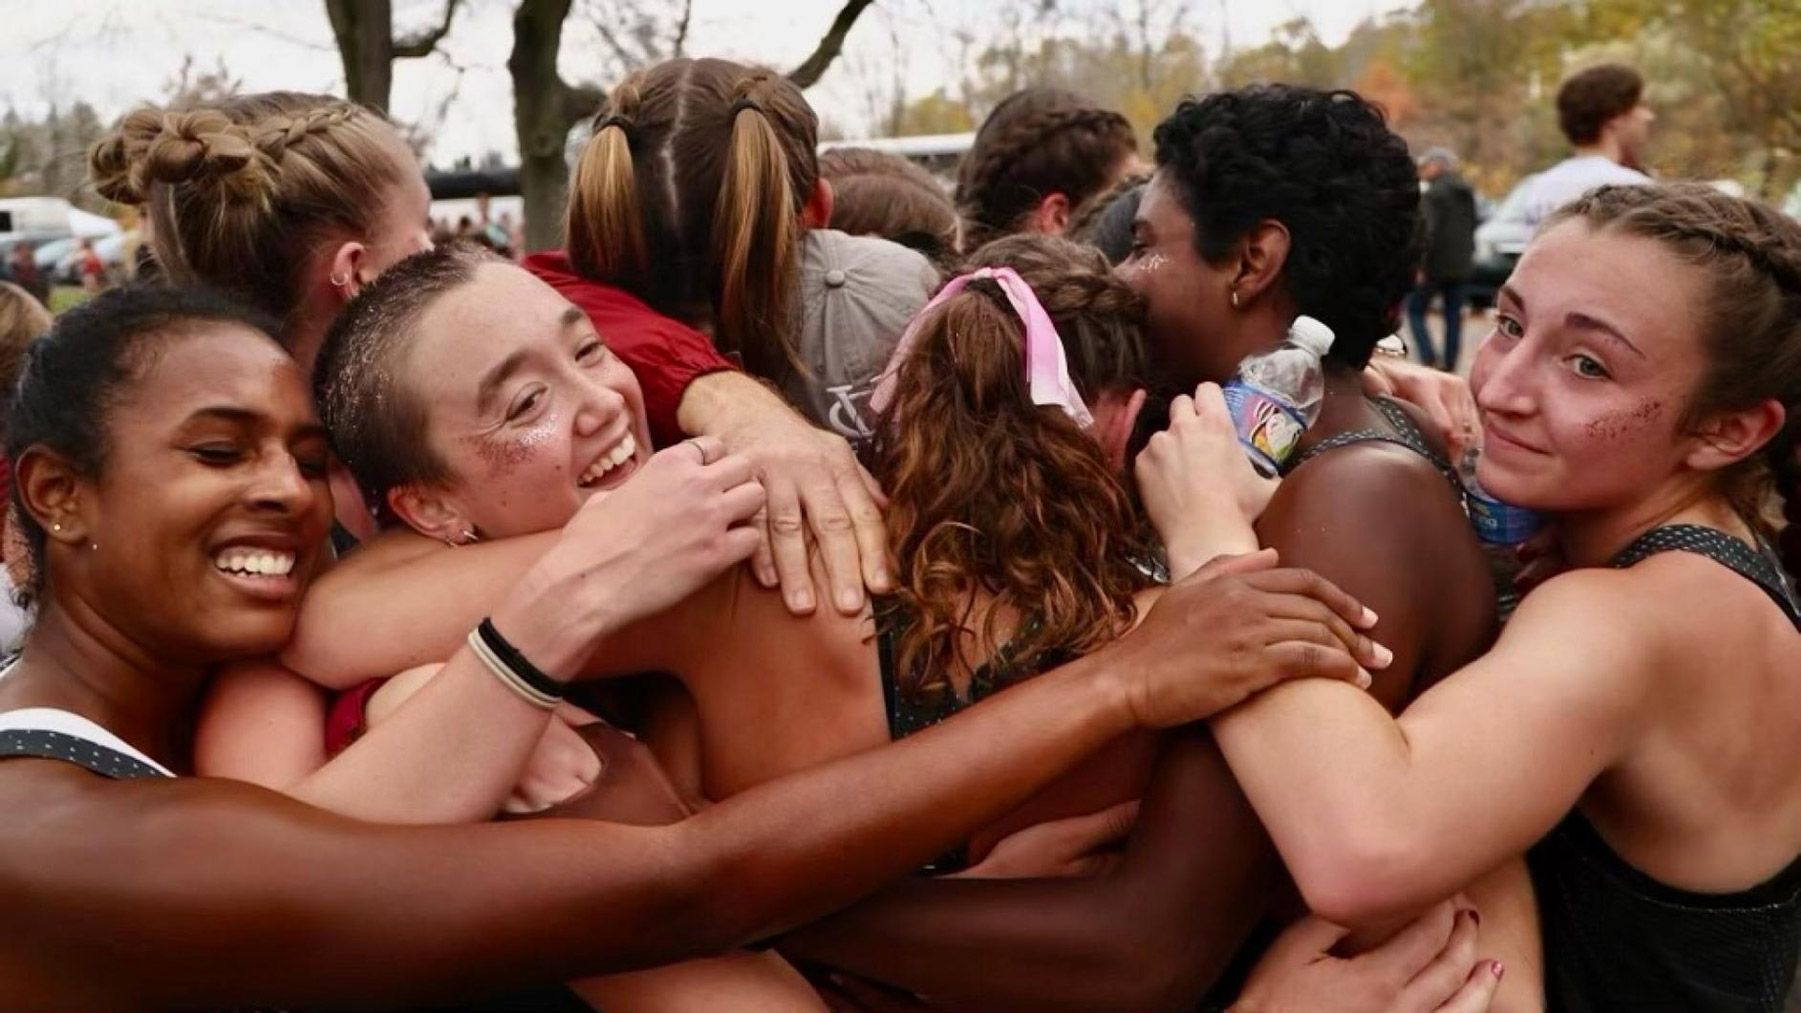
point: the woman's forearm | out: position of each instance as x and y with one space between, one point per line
402 606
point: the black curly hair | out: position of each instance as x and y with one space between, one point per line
1325 165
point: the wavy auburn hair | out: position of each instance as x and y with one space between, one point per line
992 494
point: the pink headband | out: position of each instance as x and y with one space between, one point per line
1047 369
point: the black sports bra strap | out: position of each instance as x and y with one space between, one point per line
104 760
1406 434
1758 565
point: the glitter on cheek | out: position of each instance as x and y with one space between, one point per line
503 454
1623 422
1152 263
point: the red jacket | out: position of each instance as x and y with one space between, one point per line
666 354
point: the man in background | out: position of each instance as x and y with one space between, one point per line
1602 111
1448 214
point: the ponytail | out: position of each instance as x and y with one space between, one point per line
989 492
756 235
605 221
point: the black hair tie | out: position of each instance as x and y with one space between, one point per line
616 120
744 102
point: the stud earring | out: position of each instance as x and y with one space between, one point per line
56 527
1234 298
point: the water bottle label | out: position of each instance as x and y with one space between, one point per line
1268 426
1499 523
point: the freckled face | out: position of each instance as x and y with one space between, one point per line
1585 380
525 403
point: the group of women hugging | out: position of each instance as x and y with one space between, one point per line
806 590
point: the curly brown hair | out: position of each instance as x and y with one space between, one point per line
1038 141
992 494
1751 254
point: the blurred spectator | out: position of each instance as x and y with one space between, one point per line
22 270
1448 214
1602 111
91 268
878 194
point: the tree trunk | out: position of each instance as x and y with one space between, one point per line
364 30
830 45
544 108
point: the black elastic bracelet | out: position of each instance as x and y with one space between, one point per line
509 656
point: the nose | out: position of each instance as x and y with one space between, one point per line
1502 377
598 406
281 486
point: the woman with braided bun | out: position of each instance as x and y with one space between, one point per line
293 202
1637 729
1037 161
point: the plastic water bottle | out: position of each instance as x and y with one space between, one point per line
1500 527
1276 395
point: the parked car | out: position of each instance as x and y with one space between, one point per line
1499 242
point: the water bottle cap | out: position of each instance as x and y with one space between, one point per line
1311 335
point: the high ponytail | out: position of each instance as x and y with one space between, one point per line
605 223
689 195
756 238
991 493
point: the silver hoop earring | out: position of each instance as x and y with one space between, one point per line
468 537
340 281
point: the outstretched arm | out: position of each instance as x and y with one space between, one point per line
1152 933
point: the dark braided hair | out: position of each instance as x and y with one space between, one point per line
1037 142
1326 166
1752 344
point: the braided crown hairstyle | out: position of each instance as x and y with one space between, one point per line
238 192
1752 339
993 494
1037 142
689 193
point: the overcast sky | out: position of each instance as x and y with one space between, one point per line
113 53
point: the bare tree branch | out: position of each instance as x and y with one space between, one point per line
681 28
415 46
830 45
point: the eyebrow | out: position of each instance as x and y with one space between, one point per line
1579 321
1584 322
247 418
490 385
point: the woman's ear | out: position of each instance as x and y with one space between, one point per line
345 269
432 513
816 213
1261 255
1115 418
1729 437
51 492
1050 216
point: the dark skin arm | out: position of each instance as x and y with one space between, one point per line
1152 933
213 893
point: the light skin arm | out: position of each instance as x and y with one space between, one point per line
1378 817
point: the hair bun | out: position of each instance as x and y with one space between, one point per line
116 162
202 146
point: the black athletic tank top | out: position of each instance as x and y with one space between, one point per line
1616 939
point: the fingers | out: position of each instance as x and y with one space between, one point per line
1305 659
788 546
1447 972
711 447
871 534
1478 991
1410 950
1305 940
744 502
1312 585
828 517
1328 627
1311 632
762 563
1225 566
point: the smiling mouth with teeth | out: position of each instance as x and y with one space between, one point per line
255 562
621 453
